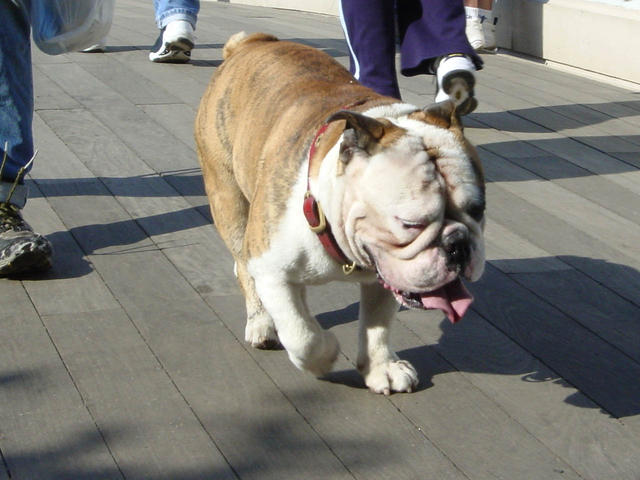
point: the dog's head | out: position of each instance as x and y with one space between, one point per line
414 203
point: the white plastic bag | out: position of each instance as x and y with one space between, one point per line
61 26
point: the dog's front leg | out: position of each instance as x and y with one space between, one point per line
381 368
310 347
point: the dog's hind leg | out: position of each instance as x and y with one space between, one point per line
381 368
230 210
231 221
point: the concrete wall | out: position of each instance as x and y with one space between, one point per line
593 36
318 6
596 36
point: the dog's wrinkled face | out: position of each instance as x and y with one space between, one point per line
414 208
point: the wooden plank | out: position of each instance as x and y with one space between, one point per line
178 118
4 472
575 88
511 253
596 307
149 427
116 405
590 255
116 76
246 414
116 348
144 137
157 208
580 213
556 113
48 95
580 357
566 421
583 183
45 428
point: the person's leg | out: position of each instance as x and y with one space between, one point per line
433 41
16 102
369 28
21 250
430 29
168 11
176 20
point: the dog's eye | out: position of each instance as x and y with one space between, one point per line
413 225
476 210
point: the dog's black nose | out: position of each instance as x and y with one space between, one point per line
456 245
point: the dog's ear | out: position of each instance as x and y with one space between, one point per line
364 133
442 114
360 131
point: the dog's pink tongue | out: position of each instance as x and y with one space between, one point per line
453 299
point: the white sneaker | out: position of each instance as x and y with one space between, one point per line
98 47
474 32
174 43
481 32
455 82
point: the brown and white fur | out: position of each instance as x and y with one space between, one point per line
400 186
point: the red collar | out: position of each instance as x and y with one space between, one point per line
316 219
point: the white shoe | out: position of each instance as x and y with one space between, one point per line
174 43
474 32
481 32
98 47
455 82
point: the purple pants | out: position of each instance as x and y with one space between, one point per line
427 29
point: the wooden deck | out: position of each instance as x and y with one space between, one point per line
128 360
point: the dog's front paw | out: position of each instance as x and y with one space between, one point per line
391 376
319 356
261 333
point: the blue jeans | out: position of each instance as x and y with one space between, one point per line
170 10
16 100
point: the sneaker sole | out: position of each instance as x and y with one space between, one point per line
177 51
459 84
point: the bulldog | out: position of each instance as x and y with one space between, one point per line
312 177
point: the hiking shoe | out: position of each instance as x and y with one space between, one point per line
174 43
455 82
21 250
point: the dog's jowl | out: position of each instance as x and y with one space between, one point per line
312 177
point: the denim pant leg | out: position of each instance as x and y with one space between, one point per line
16 99
369 27
429 29
170 10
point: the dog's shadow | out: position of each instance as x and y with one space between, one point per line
577 327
